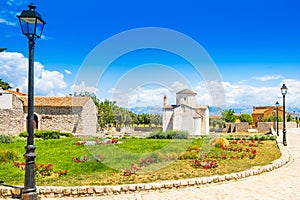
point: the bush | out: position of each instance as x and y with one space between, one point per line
66 134
273 137
6 139
7 156
219 142
47 134
44 134
169 135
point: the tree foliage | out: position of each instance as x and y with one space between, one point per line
4 85
228 115
245 117
110 114
272 118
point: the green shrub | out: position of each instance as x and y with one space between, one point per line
188 155
44 134
169 135
7 156
66 134
6 139
251 138
273 137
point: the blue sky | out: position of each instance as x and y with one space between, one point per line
255 46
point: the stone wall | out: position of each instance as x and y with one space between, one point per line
266 126
12 121
89 118
61 119
236 127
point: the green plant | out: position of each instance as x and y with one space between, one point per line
245 117
47 134
169 135
6 139
7 156
66 134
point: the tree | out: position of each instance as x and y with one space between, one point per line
156 119
246 118
289 118
216 123
272 118
228 115
4 85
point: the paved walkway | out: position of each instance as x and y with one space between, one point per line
283 183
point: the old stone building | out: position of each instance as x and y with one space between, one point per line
261 112
77 115
186 115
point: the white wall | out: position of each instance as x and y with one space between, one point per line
6 100
186 99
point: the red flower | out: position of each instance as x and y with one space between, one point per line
42 165
50 165
17 164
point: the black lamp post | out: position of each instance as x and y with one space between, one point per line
277 127
283 92
32 26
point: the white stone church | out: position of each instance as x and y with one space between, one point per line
186 115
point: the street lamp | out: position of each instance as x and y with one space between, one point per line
277 128
283 92
32 26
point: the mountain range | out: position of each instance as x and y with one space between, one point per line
213 111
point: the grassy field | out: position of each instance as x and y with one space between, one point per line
133 161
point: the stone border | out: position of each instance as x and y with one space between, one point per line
92 191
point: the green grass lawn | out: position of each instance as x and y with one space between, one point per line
105 163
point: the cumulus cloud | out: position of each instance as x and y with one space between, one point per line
213 94
82 88
268 77
14 70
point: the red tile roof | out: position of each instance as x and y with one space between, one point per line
56 101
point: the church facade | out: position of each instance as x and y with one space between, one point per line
186 115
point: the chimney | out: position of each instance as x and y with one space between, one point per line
165 100
17 90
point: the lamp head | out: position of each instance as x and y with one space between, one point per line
283 90
31 22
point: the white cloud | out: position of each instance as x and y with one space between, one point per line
268 78
82 88
68 72
3 21
236 95
14 70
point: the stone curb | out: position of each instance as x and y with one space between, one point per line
91 191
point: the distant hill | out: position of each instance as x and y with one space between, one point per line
146 110
213 111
